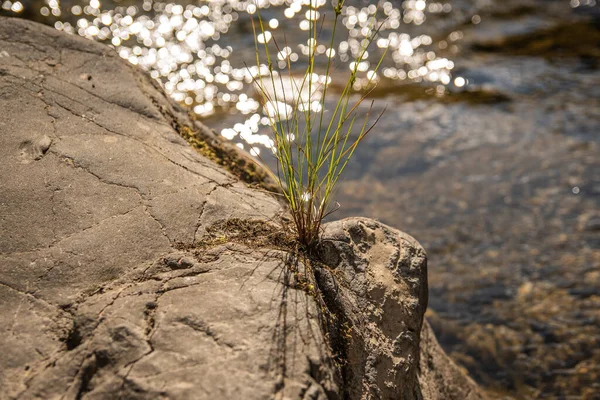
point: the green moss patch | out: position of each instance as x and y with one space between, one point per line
228 157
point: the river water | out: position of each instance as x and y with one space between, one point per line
487 153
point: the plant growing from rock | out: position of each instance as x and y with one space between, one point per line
312 145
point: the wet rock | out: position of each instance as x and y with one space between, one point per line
133 267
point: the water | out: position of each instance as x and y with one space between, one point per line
487 154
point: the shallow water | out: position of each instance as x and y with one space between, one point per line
492 163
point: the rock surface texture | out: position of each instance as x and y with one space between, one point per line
376 285
133 267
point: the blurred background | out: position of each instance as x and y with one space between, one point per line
487 153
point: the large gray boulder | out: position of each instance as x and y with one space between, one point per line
133 267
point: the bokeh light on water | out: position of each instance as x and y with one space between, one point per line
203 53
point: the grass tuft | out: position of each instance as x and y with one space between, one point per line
312 144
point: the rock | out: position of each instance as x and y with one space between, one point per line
379 285
102 204
376 285
439 376
133 267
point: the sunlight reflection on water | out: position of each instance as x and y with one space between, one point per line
193 49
